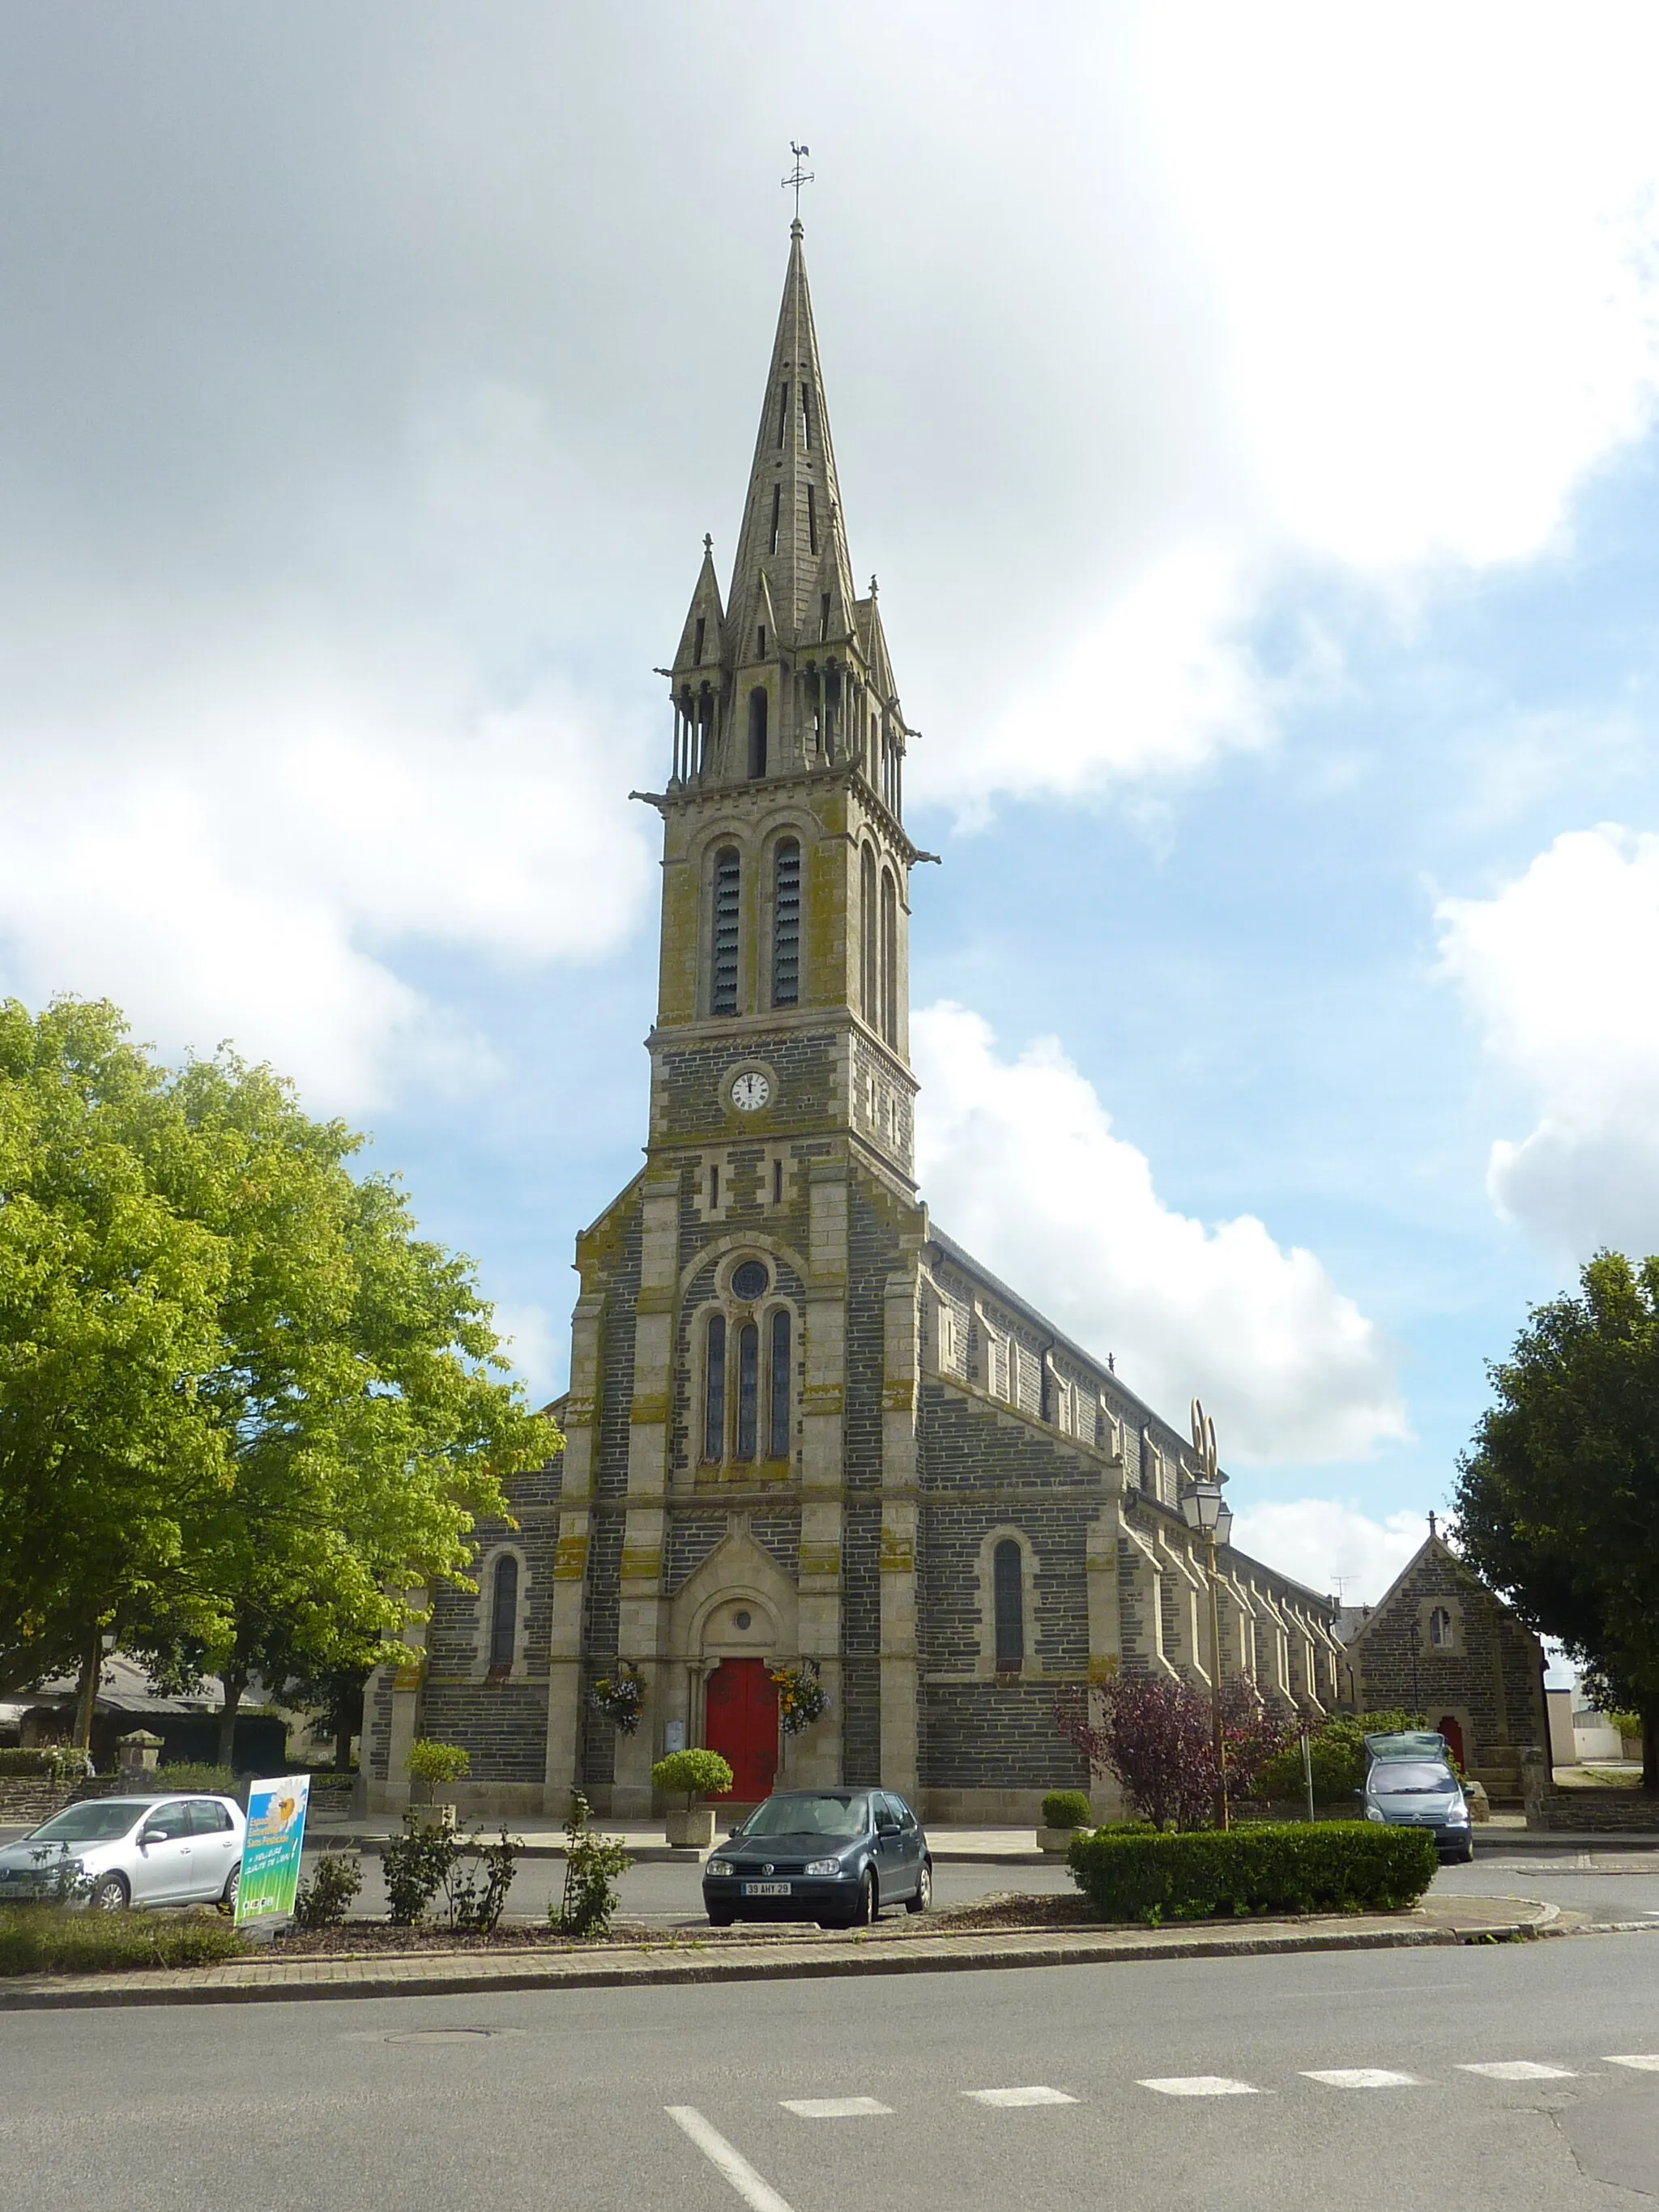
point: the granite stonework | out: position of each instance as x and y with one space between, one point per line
802 1424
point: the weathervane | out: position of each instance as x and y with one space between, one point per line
798 176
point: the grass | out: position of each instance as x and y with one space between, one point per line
44 1939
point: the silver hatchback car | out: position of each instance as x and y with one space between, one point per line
114 1851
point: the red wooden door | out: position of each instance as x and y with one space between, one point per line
740 1721
1448 1728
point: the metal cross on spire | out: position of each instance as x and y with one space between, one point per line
798 176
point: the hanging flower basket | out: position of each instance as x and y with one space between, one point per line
621 1697
802 1698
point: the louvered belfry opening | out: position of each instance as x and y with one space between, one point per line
723 993
785 923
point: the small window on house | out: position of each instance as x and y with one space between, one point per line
723 990
778 1400
1008 1590
1440 1626
748 1388
713 1395
786 922
757 731
504 1614
811 522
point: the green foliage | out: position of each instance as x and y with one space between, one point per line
244 1407
698 1774
1347 1865
39 1939
193 1774
1066 1808
426 1859
434 1763
1338 1750
1626 1722
593 1865
62 1763
321 1902
1558 1499
475 1905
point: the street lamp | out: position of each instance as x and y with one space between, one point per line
1206 1510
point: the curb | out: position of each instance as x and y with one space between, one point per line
908 1958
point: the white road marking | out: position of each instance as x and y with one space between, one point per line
1521 2069
1201 2085
1034 2095
756 2192
1361 2077
1646 2062
833 2108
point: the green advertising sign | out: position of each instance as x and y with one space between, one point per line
271 1850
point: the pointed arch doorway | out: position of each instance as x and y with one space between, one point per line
740 1721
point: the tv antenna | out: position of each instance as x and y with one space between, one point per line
798 176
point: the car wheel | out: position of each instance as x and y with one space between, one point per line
721 1919
924 1896
110 1893
228 1894
867 1908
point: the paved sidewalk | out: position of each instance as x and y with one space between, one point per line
893 1948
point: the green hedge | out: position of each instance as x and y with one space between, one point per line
1066 1808
42 1939
1338 1866
192 1774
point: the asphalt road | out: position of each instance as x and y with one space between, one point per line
1181 2084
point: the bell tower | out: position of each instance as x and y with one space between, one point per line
783 1004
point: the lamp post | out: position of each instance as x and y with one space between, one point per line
1207 1511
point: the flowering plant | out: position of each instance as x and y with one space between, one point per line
621 1697
802 1698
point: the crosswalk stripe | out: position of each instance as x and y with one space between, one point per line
1521 2069
1009 2097
1645 2062
755 2190
1361 2077
835 2108
1200 2085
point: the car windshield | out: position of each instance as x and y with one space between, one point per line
809 1816
1398 1779
88 1824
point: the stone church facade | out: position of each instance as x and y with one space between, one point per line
802 1424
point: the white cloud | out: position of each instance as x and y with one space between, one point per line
1018 1163
534 1344
1321 1543
1558 971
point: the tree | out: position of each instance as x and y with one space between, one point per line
1155 1734
344 1383
1558 1497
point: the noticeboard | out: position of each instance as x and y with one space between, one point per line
271 1850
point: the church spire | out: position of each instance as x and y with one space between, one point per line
791 529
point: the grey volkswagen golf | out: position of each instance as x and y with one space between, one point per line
832 1855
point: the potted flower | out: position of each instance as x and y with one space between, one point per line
431 1764
698 1774
802 1698
621 1697
1064 1811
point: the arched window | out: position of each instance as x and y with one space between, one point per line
778 1403
1008 1590
1440 1626
713 1394
757 730
786 922
504 1614
723 992
868 932
888 959
748 1388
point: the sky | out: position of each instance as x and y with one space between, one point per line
1253 417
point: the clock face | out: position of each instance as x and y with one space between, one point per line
750 1092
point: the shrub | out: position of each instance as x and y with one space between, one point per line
322 1901
593 1866
478 1906
1338 1752
1066 1808
1156 1736
699 1773
193 1774
435 1763
414 1868
1347 1865
61 1762
37 1939
1628 1725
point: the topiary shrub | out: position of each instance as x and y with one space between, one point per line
1066 1808
1346 1866
432 1763
699 1773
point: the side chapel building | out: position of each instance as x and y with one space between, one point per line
802 1423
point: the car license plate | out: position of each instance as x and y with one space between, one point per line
766 1889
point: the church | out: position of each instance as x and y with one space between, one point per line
806 1434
